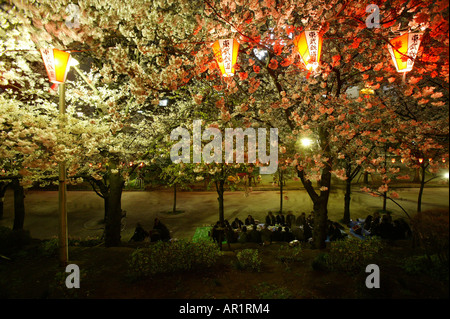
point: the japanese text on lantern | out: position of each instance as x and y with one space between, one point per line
413 48
312 41
226 55
47 56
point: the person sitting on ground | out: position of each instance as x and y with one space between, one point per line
277 235
255 235
280 219
288 236
217 233
266 235
290 219
368 222
376 220
301 219
270 219
386 228
335 233
163 230
401 229
249 221
155 235
237 223
307 232
243 236
310 219
139 234
230 235
298 233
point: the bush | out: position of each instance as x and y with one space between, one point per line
320 262
12 241
352 255
248 259
166 257
287 254
431 230
428 265
49 247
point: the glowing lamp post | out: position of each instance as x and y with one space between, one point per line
309 45
57 63
226 52
403 50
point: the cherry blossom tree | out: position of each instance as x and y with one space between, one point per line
164 46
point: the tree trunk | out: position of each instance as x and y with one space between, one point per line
114 214
320 222
347 198
3 188
320 202
220 191
281 190
19 205
422 185
175 198
366 178
1 207
416 178
106 206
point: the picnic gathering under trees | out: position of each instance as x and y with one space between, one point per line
148 68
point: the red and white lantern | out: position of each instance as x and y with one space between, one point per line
57 64
226 52
404 51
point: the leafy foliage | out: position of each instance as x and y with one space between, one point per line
431 229
352 255
249 259
166 257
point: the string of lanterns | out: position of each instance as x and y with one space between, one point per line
403 50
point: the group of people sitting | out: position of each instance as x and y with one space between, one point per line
385 227
289 220
248 233
159 232
277 228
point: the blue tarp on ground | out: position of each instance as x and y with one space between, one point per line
364 233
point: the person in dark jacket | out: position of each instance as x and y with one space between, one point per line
139 234
162 230
237 223
280 219
250 221
270 219
288 236
278 234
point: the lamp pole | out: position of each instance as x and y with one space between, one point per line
62 188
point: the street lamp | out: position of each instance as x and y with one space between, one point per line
57 63
306 142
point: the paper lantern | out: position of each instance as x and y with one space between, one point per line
403 56
226 52
309 45
57 64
